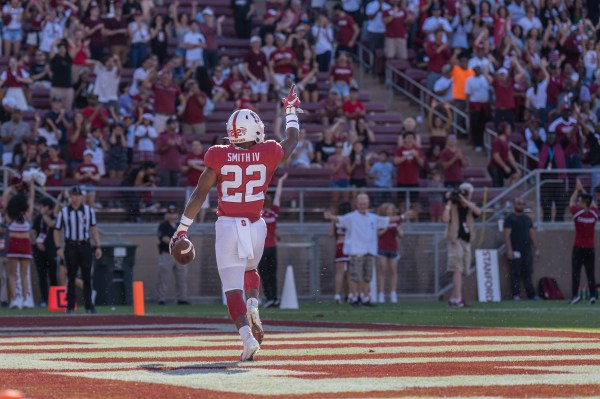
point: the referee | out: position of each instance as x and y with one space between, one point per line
78 221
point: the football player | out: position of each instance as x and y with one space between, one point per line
242 171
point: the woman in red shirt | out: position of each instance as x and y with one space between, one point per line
341 75
341 259
387 261
79 51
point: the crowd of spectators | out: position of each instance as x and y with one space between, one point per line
133 82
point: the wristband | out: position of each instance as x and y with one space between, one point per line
291 120
184 223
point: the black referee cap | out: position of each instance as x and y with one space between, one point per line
76 190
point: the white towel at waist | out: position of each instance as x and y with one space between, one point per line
245 247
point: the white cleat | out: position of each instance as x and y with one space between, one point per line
255 323
251 348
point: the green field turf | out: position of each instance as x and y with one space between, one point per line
543 314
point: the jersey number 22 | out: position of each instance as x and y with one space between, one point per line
238 181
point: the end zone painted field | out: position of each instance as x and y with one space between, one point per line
181 357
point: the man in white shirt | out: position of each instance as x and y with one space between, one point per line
480 59
530 21
478 89
443 86
141 74
435 22
194 42
108 76
375 25
360 243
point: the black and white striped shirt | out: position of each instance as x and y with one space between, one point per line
76 223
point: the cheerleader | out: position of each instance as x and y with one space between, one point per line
341 259
18 251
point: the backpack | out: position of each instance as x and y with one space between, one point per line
548 289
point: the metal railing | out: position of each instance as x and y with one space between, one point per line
399 81
365 59
523 158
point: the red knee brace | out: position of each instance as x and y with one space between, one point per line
251 280
235 304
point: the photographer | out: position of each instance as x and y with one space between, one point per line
459 215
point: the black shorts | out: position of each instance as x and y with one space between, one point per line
310 87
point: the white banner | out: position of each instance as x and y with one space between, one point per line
488 279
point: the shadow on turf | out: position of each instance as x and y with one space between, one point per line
207 368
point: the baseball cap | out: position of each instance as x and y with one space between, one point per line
255 39
503 71
279 36
76 190
435 7
88 152
171 119
149 117
56 98
333 90
208 11
171 209
55 147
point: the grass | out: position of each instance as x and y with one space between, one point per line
543 314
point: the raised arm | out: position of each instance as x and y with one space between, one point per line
290 106
279 189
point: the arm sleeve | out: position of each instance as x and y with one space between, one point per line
92 217
59 220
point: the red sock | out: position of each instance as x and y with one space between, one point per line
251 280
236 304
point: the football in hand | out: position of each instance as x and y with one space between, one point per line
183 251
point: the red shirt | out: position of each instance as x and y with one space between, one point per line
501 147
555 84
436 60
585 224
505 94
194 112
270 217
96 39
454 173
345 29
243 176
353 109
75 150
54 180
97 121
397 27
342 73
193 174
87 168
11 78
566 128
280 55
169 160
387 241
165 97
256 64
210 36
408 171
342 172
